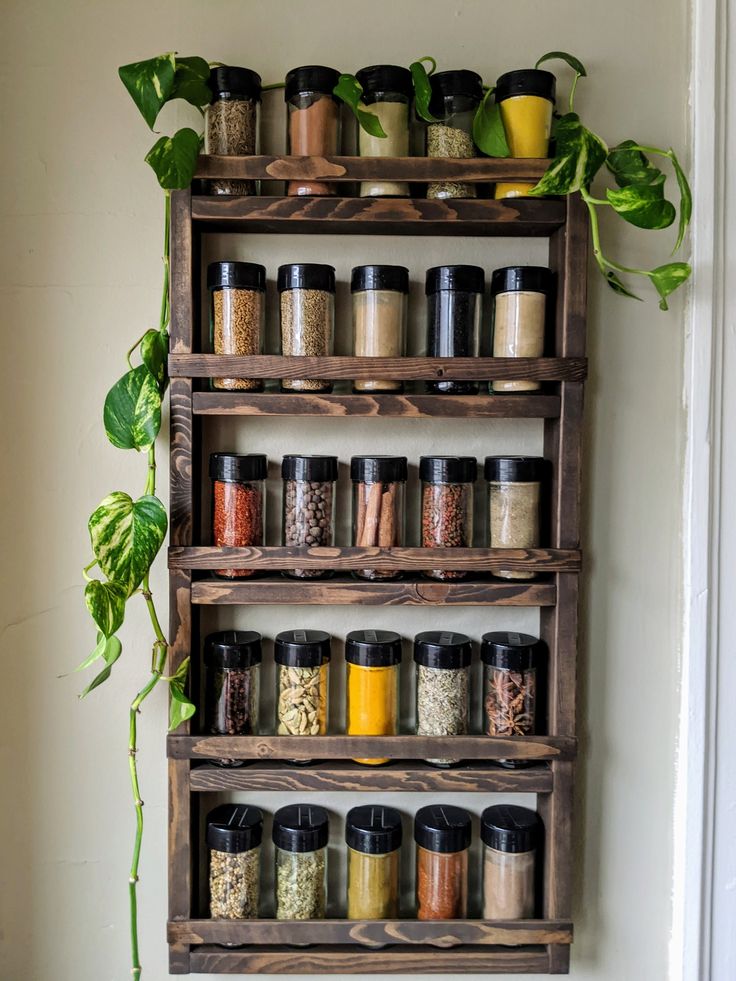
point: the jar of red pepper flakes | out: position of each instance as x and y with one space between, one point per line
238 504
447 506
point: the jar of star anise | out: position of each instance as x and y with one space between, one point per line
512 669
238 503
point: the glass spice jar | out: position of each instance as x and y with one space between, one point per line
510 835
511 673
514 500
455 98
232 660
307 314
373 836
238 504
454 303
237 316
373 659
302 683
447 506
520 295
387 94
313 121
442 835
380 305
234 833
231 122
309 513
378 506
526 99
442 686
300 834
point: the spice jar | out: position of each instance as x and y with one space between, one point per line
378 505
302 682
454 302
307 311
510 837
511 670
455 98
442 686
231 121
373 660
309 514
313 121
447 506
237 316
234 833
300 834
519 295
387 94
442 834
232 660
238 504
526 99
514 497
380 301
373 835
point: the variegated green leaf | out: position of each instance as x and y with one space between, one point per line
191 81
150 84
126 535
154 350
580 154
174 158
106 603
112 651
132 413
180 708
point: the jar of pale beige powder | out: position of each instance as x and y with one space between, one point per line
387 94
520 297
511 836
380 298
514 498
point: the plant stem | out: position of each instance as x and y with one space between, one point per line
151 479
130 350
595 235
272 86
571 101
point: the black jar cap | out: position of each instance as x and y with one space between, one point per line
526 81
232 649
234 828
511 651
230 82
394 278
466 279
302 648
373 648
238 275
300 828
378 469
373 829
385 78
306 276
442 828
510 828
236 466
453 83
448 469
442 649
513 279
322 468
522 469
310 78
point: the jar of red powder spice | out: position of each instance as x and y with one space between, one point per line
442 834
238 503
313 121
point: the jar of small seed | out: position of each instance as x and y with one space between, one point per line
237 316
378 506
313 121
380 302
302 682
456 96
238 504
373 836
307 309
232 660
442 835
231 121
511 671
454 304
300 835
511 836
447 506
373 659
309 514
526 100
442 686
514 501
234 833
520 296
387 94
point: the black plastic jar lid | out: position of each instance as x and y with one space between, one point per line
236 466
513 279
514 652
232 649
448 469
310 78
442 828
394 278
230 82
438 649
322 468
373 829
385 78
234 828
447 84
306 276
378 469
300 828
373 648
238 275
465 279
302 648
526 81
521 469
510 828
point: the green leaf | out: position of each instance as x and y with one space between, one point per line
96 653
618 287
668 278
180 708
191 82
643 205
489 134
154 351
630 166
106 603
112 651
686 200
577 66
132 413
150 84
422 91
349 90
579 156
126 535
174 158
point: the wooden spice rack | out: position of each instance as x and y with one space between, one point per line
396 946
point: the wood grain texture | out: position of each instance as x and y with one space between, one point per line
182 311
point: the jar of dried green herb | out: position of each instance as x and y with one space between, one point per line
237 316
307 310
300 835
442 686
511 837
387 94
456 96
511 674
234 833
514 504
373 836
232 660
231 121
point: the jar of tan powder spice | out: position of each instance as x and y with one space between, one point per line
380 301
514 501
373 837
231 122
520 296
313 121
307 313
511 836
387 94
237 316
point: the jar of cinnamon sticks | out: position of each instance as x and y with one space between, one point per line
378 505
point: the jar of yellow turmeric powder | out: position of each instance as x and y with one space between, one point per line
526 99
373 836
373 658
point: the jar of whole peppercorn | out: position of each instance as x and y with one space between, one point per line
447 506
454 302
232 660
231 121
514 502
442 686
442 834
512 666
238 504
234 833
309 514
237 316
378 505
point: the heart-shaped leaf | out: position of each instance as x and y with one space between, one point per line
96 653
489 134
578 158
618 287
577 66
150 84
422 91
191 82
132 413
112 651
629 165
180 708
154 351
686 200
174 158
643 205
126 535
349 90
106 603
668 278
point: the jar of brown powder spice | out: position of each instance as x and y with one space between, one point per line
380 301
237 316
514 502
511 836
313 121
442 835
238 504
231 122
